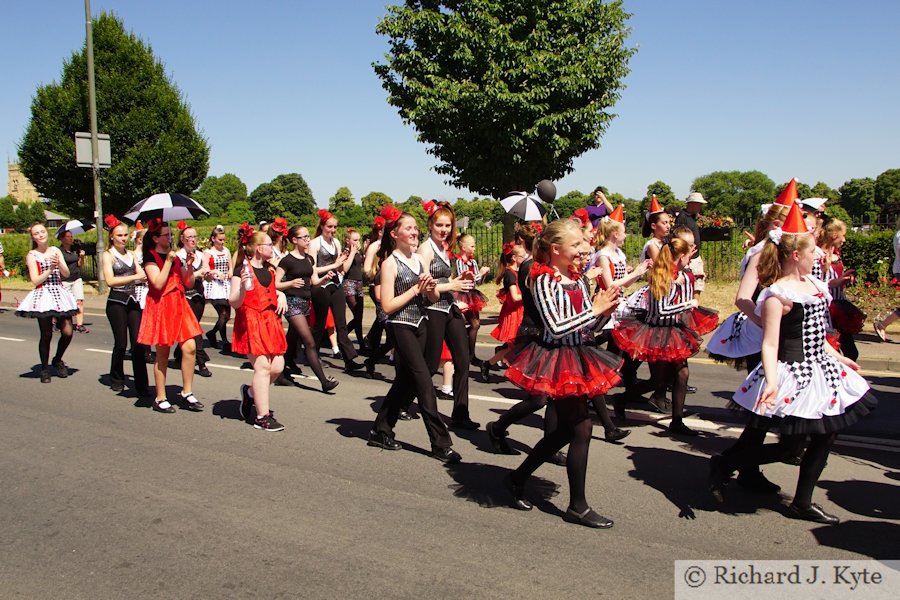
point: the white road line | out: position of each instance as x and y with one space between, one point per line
8 339
99 350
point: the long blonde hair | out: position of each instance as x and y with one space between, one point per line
554 233
773 256
661 275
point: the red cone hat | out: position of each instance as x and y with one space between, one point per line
618 214
788 195
794 223
654 206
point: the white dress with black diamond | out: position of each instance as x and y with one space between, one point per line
737 337
816 393
50 299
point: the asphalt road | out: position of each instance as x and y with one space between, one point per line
104 498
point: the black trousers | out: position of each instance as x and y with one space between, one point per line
451 328
332 297
197 304
125 321
412 379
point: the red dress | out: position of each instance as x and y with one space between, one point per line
168 318
257 327
511 312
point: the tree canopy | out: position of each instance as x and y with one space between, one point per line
887 188
858 197
373 201
738 194
287 196
217 194
155 143
342 197
505 93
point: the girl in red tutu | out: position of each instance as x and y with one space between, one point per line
471 301
659 334
846 318
168 319
561 366
511 310
257 323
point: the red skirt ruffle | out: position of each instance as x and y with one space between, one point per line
475 300
329 320
167 321
258 333
562 371
508 322
445 352
845 317
651 344
702 320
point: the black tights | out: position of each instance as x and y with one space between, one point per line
197 304
574 428
677 374
473 319
848 346
599 404
223 315
528 406
45 324
299 331
356 305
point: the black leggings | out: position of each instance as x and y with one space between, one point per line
574 428
223 315
356 305
125 321
197 304
451 328
474 321
299 331
528 406
45 324
332 297
412 379
848 346
663 373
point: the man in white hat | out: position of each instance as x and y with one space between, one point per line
688 218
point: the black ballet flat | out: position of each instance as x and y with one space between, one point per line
813 513
719 476
330 384
614 435
558 459
404 416
204 371
498 441
519 501
588 518
156 406
467 424
679 428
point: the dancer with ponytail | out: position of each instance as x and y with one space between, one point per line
406 286
295 277
561 367
657 225
187 244
217 284
353 285
510 297
168 319
471 300
122 273
803 387
48 300
327 255
257 324
845 316
445 322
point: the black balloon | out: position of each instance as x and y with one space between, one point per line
546 191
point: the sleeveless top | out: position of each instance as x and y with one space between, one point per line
217 262
354 273
123 294
645 253
414 312
297 268
71 257
197 290
43 264
325 257
440 271
618 267
173 283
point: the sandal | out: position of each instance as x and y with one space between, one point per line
192 403
879 330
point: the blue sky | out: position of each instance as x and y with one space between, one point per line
792 88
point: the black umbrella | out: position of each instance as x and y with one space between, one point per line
76 226
168 207
527 207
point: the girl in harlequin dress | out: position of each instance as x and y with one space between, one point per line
48 300
660 335
217 284
168 319
657 225
257 324
472 301
511 310
803 386
562 367
845 316
187 246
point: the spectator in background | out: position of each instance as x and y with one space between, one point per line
599 207
74 257
688 218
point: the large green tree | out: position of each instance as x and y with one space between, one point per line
663 192
858 197
7 212
373 201
155 143
738 194
505 93
887 188
342 198
287 196
217 194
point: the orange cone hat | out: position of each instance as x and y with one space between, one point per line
794 223
654 206
788 195
618 214
138 226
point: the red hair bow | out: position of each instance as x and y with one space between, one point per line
508 248
245 232
430 207
182 225
154 225
280 225
378 223
349 230
582 215
111 221
538 228
324 215
538 269
390 214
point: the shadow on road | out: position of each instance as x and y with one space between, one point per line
483 484
865 498
878 540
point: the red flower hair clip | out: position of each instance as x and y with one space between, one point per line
182 225
538 269
378 223
582 215
538 228
280 225
154 225
111 222
429 206
324 215
390 214
245 233
508 248
349 230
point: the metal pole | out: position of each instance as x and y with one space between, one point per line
95 145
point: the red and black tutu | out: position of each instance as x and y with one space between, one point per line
562 371
655 343
701 320
845 317
474 299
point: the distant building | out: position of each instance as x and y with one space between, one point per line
18 185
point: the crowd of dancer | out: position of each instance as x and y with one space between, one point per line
562 289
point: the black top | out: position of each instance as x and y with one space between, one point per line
688 220
71 257
296 268
790 335
263 274
530 315
510 278
354 273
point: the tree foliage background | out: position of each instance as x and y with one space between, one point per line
288 195
505 93
155 143
218 194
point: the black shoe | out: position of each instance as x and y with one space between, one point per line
468 424
284 380
813 513
795 460
404 416
168 410
351 366
446 455
190 403
755 481
268 423
45 375
679 428
370 367
691 389
558 459
151 358
518 493
292 368
203 371
619 406
330 384
485 371
719 476
588 518
660 405
212 340
614 435
117 386
501 446
442 395
61 370
382 440
245 408
476 362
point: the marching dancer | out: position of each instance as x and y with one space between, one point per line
471 301
845 316
353 285
511 310
187 246
217 285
